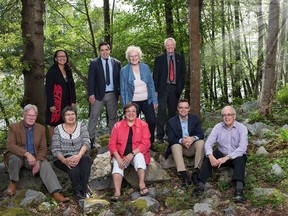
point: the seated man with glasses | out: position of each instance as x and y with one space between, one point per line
185 137
27 147
231 137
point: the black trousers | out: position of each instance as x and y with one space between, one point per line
238 164
79 175
168 101
149 113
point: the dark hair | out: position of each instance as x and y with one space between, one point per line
128 105
66 66
182 101
66 109
103 44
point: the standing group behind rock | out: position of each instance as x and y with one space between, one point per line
131 138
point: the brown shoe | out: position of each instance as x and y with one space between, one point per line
60 198
11 190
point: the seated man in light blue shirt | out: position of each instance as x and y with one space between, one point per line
231 138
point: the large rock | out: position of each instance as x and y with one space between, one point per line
100 177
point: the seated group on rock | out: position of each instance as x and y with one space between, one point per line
129 144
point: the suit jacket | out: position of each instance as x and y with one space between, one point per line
96 78
175 130
160 74
17 140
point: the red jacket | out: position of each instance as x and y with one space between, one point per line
140 139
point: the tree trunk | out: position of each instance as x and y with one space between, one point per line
94 47
106 21
169 18
268 84
225 83
33 56
236 88
194 37
260 49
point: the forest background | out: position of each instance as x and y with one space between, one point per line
235 50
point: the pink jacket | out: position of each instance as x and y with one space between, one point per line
140 139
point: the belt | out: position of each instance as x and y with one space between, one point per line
170 84
108 92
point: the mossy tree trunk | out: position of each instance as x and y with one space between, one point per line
33 54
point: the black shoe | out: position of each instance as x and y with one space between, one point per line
238 196
153 148
194 176
92 143
160 141
197 191
79 195
186 181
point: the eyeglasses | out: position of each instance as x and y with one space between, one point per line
130 111
31 116
70 114
183 107
229 114
133 56
61 56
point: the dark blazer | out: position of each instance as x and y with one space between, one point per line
96 78
17 140
175 130
160 74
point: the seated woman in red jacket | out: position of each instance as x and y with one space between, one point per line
129 144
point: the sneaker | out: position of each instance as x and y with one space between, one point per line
197 191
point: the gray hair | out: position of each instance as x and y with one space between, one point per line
133 49
230 108
171 39
30 107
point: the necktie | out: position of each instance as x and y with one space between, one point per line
171 69
107 73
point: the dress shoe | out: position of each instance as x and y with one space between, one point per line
197 191
11 190
59 197
92 142
238 196
186 181
79 195
194 177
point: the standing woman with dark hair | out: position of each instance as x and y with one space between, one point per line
60 90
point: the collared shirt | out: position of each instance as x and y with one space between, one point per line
29 139
174 63
231 141
111 86
184 126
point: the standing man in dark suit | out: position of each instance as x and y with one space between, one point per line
103 87
169 76
185 137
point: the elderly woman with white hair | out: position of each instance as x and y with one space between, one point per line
137 85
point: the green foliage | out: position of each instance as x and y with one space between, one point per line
282 96
274 200
283 134
222 185
255 117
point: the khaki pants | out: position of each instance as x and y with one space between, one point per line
46 172
196 150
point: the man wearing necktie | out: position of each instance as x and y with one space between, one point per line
169 77
103 88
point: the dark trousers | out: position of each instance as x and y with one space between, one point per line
238 164
79 175
168 101
149 113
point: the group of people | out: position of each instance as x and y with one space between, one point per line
131 138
